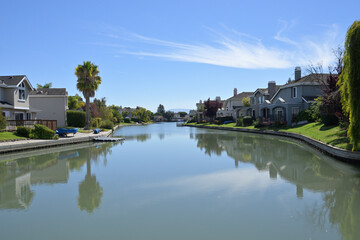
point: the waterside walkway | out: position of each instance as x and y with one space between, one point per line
30 144
335 152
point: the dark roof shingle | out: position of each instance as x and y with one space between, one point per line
11 80
49 91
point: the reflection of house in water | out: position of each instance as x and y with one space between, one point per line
15 191
293 162
57 173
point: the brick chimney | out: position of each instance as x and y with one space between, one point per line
297 73
271 88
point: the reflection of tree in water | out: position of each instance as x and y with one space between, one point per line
342 207
90 191
303 168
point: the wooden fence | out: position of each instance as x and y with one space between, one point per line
12 124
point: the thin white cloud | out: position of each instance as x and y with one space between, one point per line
240 50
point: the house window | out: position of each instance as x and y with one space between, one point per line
22 91
294 92
279 115
28 116
295 112
259 100
19 116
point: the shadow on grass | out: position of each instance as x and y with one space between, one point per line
324 128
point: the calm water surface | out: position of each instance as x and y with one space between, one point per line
166 182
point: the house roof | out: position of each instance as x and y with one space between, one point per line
313 78
12 80
266 90
240 96
49 91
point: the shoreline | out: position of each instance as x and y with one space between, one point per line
31 144
335 152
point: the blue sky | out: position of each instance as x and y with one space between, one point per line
170 52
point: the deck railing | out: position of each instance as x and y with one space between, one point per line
12 124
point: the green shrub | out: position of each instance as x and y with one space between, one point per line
107 124
42 132
277 124
3 122
136 119
23 131
126 120
247 121
239 122
258 124
75 118
224 119
95 122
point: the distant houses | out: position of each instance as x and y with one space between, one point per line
276 102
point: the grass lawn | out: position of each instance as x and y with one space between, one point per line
332 135
6 136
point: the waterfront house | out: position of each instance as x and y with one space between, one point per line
295 96
260 100
53 103
14 98
234 106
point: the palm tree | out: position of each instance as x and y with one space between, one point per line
46 85
88 82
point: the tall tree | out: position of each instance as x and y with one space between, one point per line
211 107
161 109
350 82
88 82
46 85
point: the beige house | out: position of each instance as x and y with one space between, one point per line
53 103
14 98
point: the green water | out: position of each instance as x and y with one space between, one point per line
168 182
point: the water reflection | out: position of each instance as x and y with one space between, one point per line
17 176
301 165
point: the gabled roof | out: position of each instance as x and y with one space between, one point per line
49 91
311 79
240 96
12 80
265 91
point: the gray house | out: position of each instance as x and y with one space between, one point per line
293 97
52 103
260 100
14 98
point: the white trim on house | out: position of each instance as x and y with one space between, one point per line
304 100
27 80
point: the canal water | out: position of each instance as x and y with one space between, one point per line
168 182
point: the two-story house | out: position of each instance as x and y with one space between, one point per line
260 101
233 106
297 95
14 98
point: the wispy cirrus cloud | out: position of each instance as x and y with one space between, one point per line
239 50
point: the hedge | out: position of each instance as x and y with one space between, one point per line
75 118
42 132
23 131
247 121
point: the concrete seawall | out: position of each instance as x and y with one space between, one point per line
335 152
31 144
